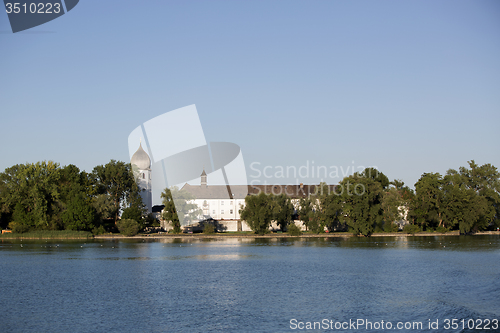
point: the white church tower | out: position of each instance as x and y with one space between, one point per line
141 165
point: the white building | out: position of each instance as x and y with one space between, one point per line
223 202
141 166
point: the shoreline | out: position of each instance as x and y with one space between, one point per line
271 235
325 235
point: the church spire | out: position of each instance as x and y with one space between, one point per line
203 178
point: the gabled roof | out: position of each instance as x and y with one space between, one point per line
241 191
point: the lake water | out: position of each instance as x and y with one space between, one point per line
251 285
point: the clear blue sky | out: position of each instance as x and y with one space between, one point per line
407 86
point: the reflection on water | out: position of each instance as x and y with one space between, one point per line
244 284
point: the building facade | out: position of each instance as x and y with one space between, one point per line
141 166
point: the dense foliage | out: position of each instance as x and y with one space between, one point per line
467 200
179 202
128 227
44 196
260 210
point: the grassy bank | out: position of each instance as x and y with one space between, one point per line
49 234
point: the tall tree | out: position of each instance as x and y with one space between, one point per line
396 204
29 193
305 211
427 207
116 180
327 209
258 212
178 202
376 175
282 210
79 213
362 197
169 211
485 182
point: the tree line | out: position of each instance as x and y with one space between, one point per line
46 196
365 202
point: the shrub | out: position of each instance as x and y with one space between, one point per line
99 230
128 227
391 227
442 229
132 213
18 228
294 230
411 229
208 228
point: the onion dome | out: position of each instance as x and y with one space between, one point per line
140 159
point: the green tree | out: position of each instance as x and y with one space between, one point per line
30 192
462 205
258 212
133 213
485 182
79 213
169 212
179 202
328 209
179 207
391 208
128 227
375 175
427 206
104 206
117 181
362 197
305 211
282 210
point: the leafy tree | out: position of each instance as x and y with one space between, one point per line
179 202
179 207
104 206
376 175
362 203
117 180
282 209
398 184
133 213
305 211
427 206
329 207
128 227
391 203
258 212
462 205
484 181
79 213
169 212
29 192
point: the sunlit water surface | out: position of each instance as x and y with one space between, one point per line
246 285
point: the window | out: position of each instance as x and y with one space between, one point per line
143 176
231 203
222 203
230 211
213 212
222 211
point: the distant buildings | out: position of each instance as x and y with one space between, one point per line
216 202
